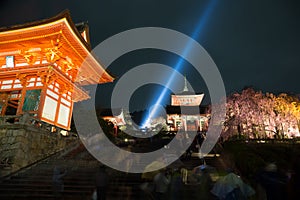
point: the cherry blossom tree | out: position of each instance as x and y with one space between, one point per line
252 114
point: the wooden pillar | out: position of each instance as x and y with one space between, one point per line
70 114
57 109
42 101
23 95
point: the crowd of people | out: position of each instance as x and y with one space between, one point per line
174 182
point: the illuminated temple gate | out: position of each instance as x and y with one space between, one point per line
39 69
194 118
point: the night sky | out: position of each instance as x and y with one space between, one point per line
253 42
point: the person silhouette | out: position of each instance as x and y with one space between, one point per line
101 183
57 179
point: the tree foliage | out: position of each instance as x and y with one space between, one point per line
252 114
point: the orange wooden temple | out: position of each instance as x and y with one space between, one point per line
39 69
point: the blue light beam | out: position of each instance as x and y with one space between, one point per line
178 66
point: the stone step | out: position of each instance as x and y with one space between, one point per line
36 183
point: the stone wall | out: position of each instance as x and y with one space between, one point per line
22 145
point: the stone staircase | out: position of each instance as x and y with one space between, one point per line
79 182
36 182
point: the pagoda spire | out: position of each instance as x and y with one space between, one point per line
185 89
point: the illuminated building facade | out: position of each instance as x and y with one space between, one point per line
107 114
39 69
185 112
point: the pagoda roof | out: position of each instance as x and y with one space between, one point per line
61 34
187 93
186 90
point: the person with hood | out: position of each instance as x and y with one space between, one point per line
273 182
161 184
57 180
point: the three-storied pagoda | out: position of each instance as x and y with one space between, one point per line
185 112
43 66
